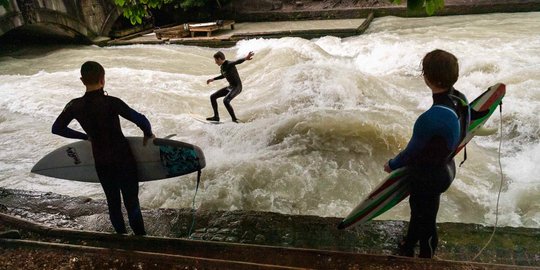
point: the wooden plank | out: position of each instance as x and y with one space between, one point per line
177 31
211 28
138 256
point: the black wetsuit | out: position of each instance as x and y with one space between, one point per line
429 158
115 165
229 72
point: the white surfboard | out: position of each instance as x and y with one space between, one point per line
202 119
159 159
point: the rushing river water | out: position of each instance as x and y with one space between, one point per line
322 116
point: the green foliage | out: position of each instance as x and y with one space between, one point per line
4 3
431 6
136 10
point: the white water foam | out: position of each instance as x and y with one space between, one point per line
322 116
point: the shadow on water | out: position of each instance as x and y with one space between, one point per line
28 42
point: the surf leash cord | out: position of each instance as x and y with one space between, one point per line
500 188
193 210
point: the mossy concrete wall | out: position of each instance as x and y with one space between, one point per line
266 10
458 241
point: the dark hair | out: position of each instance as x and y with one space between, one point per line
440 68
219 55
92 72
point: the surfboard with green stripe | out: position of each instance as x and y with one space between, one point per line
395 187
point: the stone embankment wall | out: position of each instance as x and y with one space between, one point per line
278 10
91 19
81 18
458 241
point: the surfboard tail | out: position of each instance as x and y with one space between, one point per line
200 154
389 193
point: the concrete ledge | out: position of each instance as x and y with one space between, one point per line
311 33
210 254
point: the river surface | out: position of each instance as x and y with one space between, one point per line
323 116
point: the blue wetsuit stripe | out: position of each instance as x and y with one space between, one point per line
141 121
428 126
446 108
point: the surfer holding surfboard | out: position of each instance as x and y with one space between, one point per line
115 165
429 154
229 72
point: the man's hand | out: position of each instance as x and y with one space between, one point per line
250 55
209 81
145 139
387 168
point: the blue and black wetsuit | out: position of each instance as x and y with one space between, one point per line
428 156
98 114
229 72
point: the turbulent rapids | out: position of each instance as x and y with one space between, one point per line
322 116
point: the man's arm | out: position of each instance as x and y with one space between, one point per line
419 139
60 125
242 60
238 62
218 77
137 118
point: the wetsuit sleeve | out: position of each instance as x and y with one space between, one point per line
60 126
219 77
137 118
223 67
239 61
422 132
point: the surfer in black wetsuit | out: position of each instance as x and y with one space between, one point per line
429 154
229 72
97 113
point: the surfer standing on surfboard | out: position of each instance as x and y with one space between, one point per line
429 153
229 72
115 165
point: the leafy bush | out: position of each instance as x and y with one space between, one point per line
136 10
430 5
4 3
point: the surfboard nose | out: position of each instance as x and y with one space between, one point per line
37 167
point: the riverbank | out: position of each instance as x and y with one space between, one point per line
248 30
314 19
458 242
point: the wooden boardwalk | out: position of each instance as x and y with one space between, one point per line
228 38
